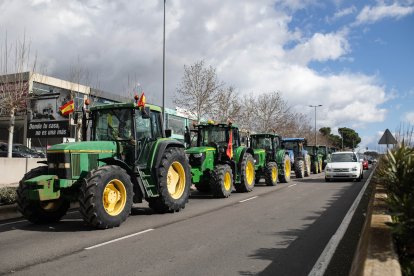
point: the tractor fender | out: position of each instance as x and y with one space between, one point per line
122 164
243 152
158 151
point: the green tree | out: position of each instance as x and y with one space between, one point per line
350 138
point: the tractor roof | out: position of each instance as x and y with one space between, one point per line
211 124
293 139
265 135
124 105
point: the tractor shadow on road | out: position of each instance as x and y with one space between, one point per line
299 249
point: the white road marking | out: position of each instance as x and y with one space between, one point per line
248 199
13 222
292 185
325 258
119 239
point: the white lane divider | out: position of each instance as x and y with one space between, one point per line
13 222
119 239
292 185
241 201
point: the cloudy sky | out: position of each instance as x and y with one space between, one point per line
353 57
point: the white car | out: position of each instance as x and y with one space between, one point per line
344 165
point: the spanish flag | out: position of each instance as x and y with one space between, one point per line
229 150
142 100
67 108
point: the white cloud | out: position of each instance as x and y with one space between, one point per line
373 14
409 117
245 40
344 12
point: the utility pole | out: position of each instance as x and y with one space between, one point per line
316 138
163 71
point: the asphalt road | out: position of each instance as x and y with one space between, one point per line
278 230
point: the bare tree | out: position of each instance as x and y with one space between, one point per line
227 106
15 71
198 90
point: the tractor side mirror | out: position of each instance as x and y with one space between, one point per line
168 133
187 137
145 112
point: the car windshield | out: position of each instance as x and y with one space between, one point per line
344 157
113 124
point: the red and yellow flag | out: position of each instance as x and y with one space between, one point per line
142 100
229 150
67 108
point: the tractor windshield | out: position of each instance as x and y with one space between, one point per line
113 124
211 135
262 143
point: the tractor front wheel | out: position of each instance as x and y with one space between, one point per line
174 178
221 181
299 168
247 174
105 198
286 169
37 211
271 174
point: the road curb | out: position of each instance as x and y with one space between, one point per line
9 212
375 254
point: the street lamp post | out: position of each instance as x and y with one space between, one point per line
163 71
315 106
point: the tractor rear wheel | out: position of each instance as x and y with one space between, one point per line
271 174
320 166
286 170
221 181
174 178
299 168
247 174
37 211
105 198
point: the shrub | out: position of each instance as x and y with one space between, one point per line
8 195
396 171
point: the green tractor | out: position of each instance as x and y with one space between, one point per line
277 161
219 162
127 159
325 152
298 155
316 158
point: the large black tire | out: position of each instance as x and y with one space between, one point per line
315 167
271 174
174 180
299 168
284 177
247 174
105 198
37 211
221 181
307 167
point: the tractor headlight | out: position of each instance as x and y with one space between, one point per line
197 155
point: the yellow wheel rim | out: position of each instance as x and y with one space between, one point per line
114 197
274 174
249 172
287 168
227 181
176 180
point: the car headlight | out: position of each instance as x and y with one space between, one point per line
354 169
328 169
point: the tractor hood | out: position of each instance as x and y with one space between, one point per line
199 150
85 147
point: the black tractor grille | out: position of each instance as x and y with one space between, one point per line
59 164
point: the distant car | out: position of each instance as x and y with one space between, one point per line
344 165
19 150
365 164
